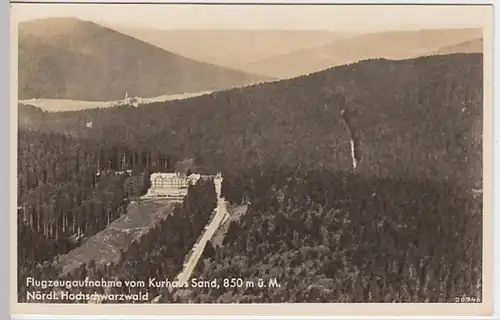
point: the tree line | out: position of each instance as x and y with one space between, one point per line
70 188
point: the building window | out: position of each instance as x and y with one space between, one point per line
158 182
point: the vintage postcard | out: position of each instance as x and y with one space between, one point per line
230 159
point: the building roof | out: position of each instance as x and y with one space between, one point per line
164 176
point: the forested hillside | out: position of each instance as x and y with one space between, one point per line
67 58
338 237
403 226
420 117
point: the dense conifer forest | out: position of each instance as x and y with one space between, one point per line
69 189
337 236
404 226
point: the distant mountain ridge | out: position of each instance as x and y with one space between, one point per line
471 46
394 45
67 58
232 48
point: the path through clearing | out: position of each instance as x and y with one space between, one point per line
107 244
219 217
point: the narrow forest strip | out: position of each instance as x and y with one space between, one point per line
235 213
106 245
193 256
221 213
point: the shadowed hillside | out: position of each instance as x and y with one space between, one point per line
389 45
66 58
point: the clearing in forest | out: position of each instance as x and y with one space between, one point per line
106 245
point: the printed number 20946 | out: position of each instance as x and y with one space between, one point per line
467 299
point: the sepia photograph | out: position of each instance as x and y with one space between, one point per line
279 155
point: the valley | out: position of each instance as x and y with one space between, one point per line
56 105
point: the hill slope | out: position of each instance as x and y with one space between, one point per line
232 48
472 46
106 245
411 117
389 45
66 58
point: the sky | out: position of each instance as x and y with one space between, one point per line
299 17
